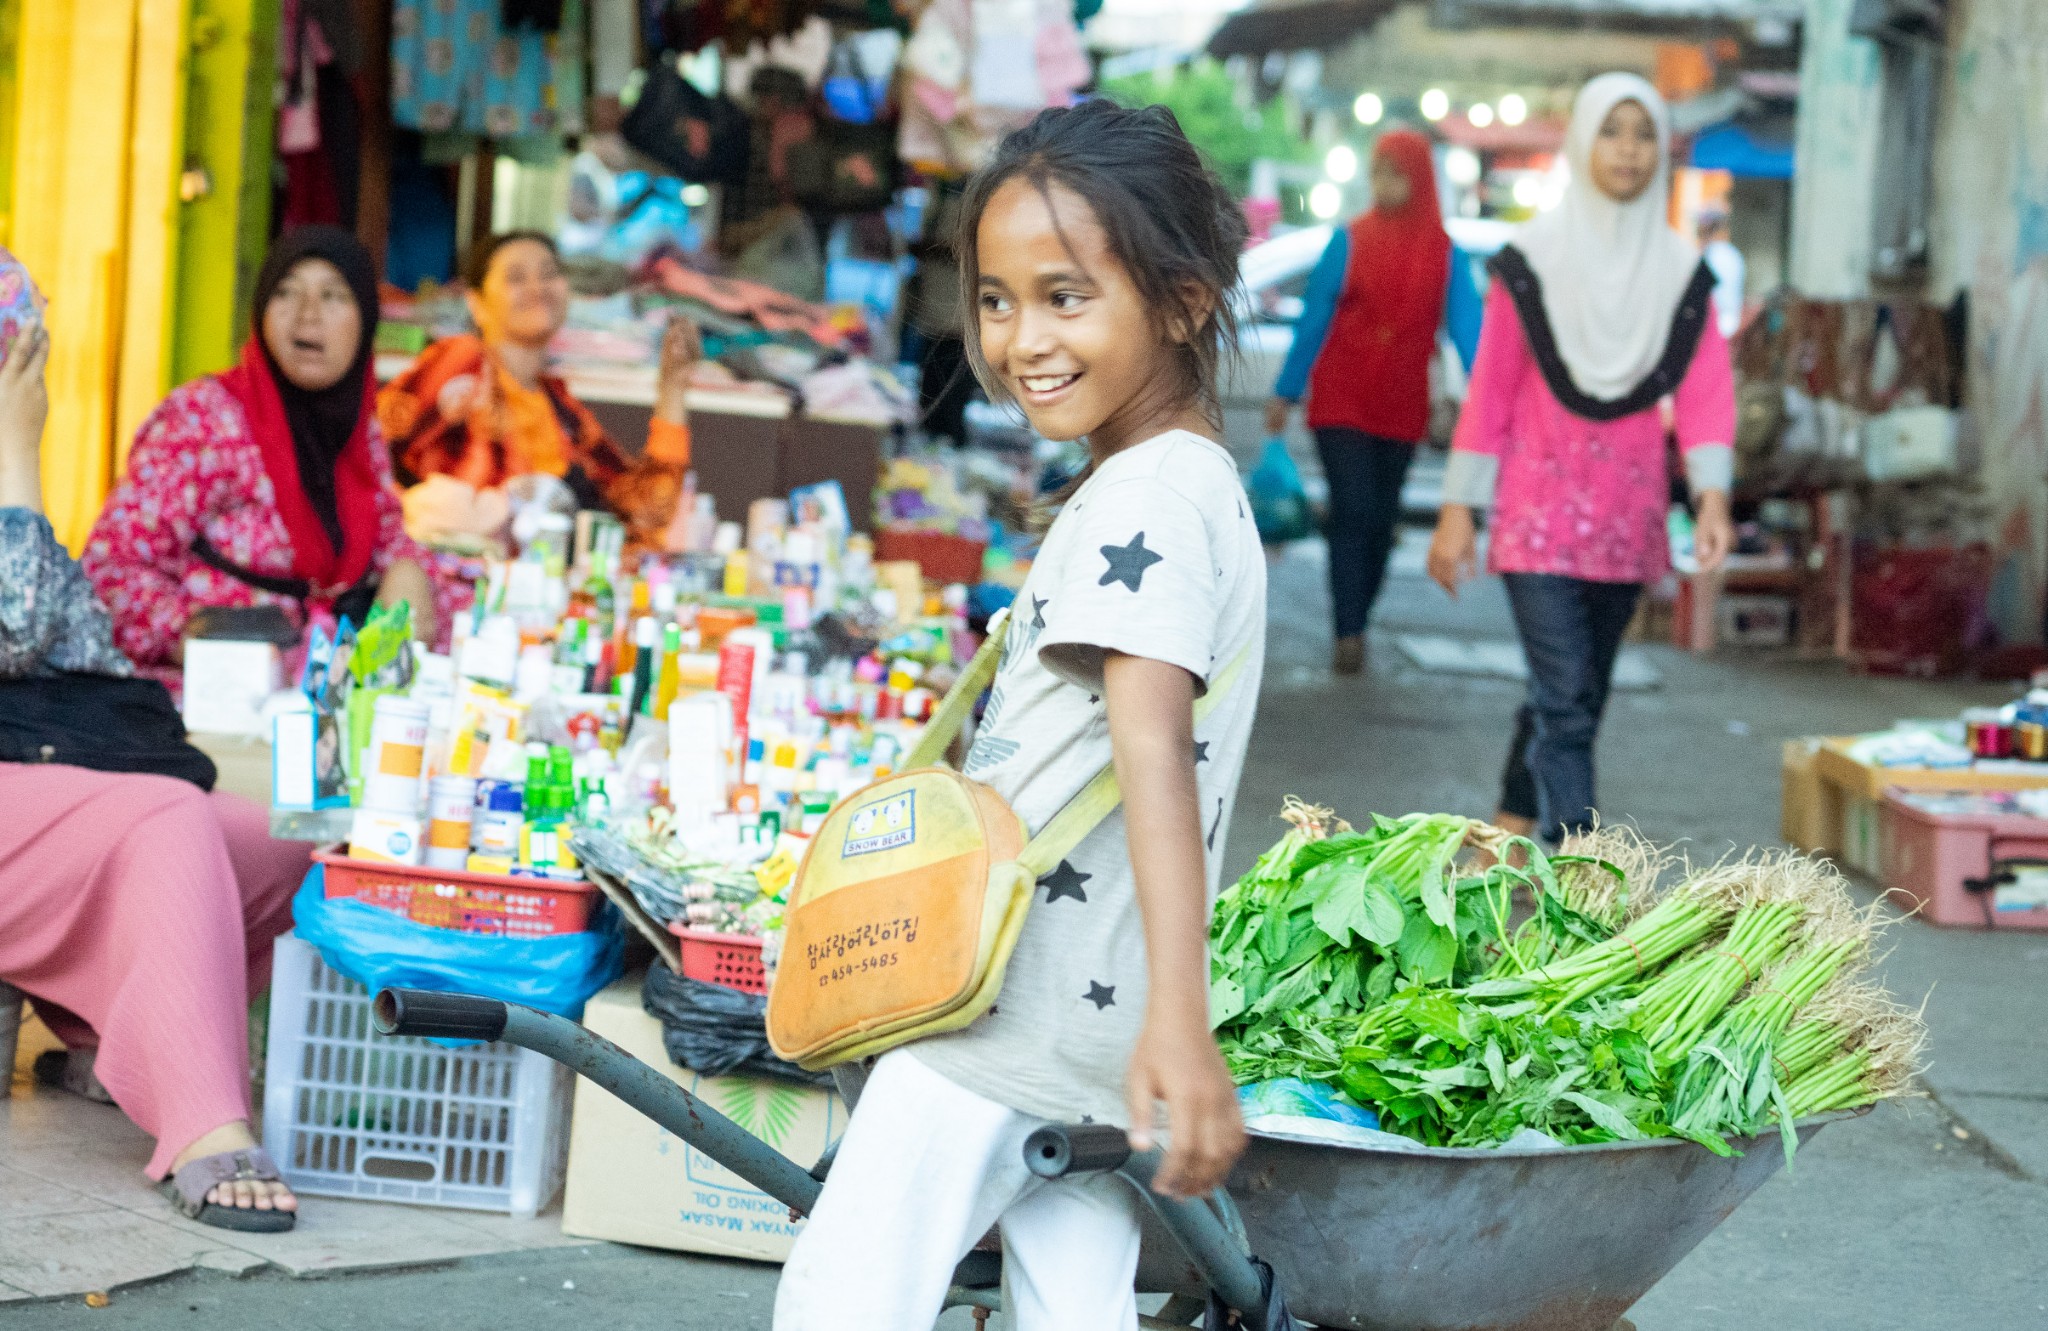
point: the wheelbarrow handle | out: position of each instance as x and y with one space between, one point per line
1084 1148
1061 1150
441 1016
464 1016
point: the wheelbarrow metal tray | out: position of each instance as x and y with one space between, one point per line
1551 1239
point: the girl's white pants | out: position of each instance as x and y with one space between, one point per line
926 1168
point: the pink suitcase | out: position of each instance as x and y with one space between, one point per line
1968 860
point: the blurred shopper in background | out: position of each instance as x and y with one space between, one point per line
1385 287
1599 311
1731 272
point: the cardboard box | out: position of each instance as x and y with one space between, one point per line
631 1181
1804 806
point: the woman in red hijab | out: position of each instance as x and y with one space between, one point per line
267 484
1362 349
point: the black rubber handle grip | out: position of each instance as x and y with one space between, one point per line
1075 1148
448 1016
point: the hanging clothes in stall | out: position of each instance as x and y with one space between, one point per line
965 87
454 66
319 123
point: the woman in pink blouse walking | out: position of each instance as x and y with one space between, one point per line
1599 314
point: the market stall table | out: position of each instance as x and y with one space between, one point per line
1831 799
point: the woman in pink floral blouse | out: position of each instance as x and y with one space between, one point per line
268 484
1599 315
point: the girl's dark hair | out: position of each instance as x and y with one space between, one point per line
476 265
1169 219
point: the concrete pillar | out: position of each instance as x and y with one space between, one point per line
1840 96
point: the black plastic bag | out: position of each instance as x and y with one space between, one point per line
716 1031
1220 1318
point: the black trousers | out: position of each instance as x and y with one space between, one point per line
1571 632
1365 474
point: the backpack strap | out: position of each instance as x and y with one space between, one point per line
959 701
1084 813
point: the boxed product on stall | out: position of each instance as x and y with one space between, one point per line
631 1181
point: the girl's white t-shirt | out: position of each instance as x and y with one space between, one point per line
1156 555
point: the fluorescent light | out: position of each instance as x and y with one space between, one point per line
1513 110
1480 115
1368 108
1324 200
1435 104
696 196
1528 191
1461 165
1341 164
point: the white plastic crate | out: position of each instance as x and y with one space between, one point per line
350 1113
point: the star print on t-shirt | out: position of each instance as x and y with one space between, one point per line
1023 636
1065 881
1127 563
989 749
1101 995
1201 750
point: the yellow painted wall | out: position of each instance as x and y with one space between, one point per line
69 227
156 160
222 233
134 184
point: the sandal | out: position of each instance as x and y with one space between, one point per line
187 1189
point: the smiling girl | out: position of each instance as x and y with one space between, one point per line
1098 251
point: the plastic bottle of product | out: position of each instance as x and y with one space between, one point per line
495 830
646 658
671 676
636 608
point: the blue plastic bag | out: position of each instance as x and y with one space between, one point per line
1293 1097
1279 503
380 950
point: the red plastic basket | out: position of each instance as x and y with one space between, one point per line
943 556
491 904
733 960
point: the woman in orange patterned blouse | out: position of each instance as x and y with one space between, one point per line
481 410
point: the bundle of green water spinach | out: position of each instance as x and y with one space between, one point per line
1465 985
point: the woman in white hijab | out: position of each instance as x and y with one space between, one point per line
1599 336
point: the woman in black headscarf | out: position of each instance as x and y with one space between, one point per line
268 484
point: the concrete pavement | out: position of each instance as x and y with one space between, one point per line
1932 1214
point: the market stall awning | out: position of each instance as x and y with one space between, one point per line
1732 148
1303 25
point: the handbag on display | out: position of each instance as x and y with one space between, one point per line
909 901
700 138
849 164
845 168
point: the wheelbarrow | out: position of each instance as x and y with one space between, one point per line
1357 1237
